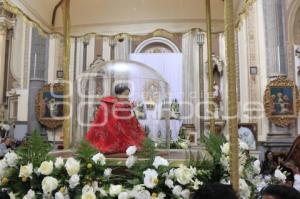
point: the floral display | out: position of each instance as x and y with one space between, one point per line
89 175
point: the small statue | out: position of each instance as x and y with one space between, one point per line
216 94
139 111
175 114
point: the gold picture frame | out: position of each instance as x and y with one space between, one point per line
281 101
49 105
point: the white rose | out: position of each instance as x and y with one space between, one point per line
130 161
131 150
59 195
11 195
107 172
225 148
99 158
74 181
87 188
150 179
256 166
186 194
59 162
159 161
49 184
177 190
115 190
161 195
46 168
183 175
279 175
11 158
26 171
30 195
196 184
88 195
245 192
123 195
72 166
143 194
102 192
169 183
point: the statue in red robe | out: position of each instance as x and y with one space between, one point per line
115 128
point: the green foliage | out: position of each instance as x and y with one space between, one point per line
35 150
149 149
85 151
213 143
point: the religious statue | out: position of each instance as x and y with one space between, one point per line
175 114
216 94
139 111
115 128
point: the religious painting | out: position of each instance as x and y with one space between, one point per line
281 101
248 134
192 137
49 105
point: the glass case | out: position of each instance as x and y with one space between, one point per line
149 94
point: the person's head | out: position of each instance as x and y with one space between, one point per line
291 165
281 159
122 90
215 191
280 192
289 176
269 155
7 141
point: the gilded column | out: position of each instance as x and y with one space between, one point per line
211 105
67 46
3 30
232 96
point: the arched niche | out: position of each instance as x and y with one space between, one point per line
157 45
294 22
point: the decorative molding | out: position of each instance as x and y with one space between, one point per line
152 40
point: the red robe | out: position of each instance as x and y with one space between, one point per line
115 128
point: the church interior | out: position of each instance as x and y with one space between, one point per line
208 86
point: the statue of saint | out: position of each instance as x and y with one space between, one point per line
216 94
115 127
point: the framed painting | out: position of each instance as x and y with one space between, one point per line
281 101
50 105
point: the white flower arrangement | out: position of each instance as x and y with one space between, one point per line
26 171
99 158
131 150
49 184
159 161
59 162
46 168
72 166
130 161
151 178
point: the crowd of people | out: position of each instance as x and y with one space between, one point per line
271 163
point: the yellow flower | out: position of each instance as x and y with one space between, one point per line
153 196
4 181
24 179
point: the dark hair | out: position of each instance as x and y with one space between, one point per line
120 88
289 174
281 192
215 191
266 155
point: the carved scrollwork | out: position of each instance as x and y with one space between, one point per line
49 105
281 101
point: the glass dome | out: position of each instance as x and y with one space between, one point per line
148 94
